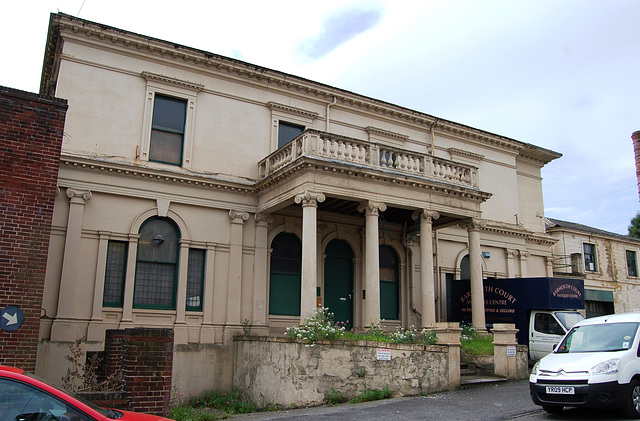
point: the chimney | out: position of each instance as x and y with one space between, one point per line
636 147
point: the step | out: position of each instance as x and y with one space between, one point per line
479 379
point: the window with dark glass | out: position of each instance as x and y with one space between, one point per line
284 285
632 267
115 274
287 131
157 265
589 257
195 279
167 130
389 284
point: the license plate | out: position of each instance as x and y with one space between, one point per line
561 390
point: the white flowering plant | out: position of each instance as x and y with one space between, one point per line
319 325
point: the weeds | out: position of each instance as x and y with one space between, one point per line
333 397
372 395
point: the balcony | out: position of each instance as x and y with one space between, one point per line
368 155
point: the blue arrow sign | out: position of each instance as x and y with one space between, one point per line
11 318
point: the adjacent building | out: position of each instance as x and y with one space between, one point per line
607 262
211 196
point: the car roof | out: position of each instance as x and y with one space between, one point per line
11 369
612 318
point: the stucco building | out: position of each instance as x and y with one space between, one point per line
607 262
210 196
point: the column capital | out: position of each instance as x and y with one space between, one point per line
78 194
238 217
263 218
473 224
510 253
524 255
309 198
425 214
372 208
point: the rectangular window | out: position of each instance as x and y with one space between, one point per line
287 131
195 279
632 267
589 257
115 274
167 130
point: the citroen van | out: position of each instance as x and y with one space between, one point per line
597 364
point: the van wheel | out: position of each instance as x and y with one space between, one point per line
552 409
632 406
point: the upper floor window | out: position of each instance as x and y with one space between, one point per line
157 265
169 115
632 267
167 130
589 257
288 131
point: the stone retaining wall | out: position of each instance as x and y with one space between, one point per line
284 372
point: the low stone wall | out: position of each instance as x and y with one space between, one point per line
284 372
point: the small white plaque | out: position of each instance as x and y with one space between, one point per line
511 351
384 354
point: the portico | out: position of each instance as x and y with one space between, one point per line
341 177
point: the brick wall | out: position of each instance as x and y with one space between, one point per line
31 128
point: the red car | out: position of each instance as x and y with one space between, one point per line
23 397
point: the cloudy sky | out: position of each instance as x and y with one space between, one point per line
563 75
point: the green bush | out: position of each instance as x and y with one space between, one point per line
318 326
372 395
333 397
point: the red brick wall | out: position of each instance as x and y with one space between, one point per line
31 128
147 367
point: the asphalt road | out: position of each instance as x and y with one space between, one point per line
496 401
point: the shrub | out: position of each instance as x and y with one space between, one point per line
372 395
319 325
333 396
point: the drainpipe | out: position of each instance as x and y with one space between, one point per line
329 105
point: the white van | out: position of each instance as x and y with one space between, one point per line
597 365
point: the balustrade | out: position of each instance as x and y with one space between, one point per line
324 145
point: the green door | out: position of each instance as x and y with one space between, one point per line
338 281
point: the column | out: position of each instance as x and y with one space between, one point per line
208 332
372 255
129 282
524 255
309 201
510 254
181 334
260 276
73 258
475 266
234 290
95 331
426 266
549 265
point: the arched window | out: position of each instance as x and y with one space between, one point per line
157 265
389 284
465 269
284 286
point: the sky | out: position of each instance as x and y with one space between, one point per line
562 75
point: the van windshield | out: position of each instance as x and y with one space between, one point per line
599 338
568 318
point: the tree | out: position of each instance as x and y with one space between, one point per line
634 228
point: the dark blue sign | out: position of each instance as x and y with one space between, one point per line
11 318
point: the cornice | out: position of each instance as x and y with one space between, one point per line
474 156
70 26
292 110
514 230
315 164
172 81
140 171
387 133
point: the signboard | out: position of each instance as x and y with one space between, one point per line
512 350
383 354
11 318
